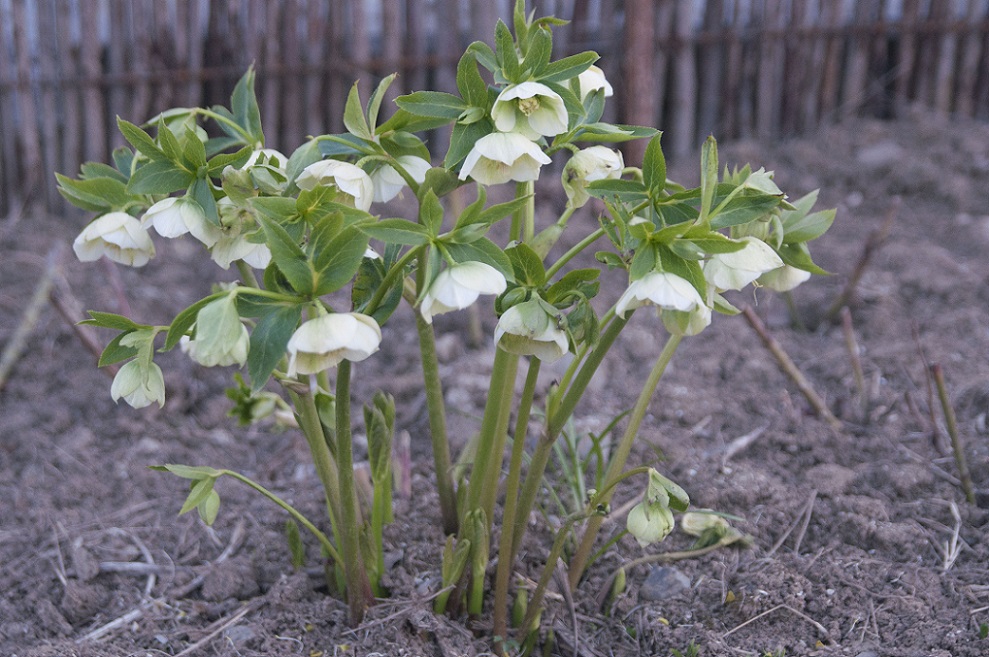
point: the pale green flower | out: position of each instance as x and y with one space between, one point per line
650 522
733 271
221 338
587 166
662 289
528 329
762 181
323 342
118 236
783 279
458 286
175 216
388 182
348 178
530 108
138 386
502 157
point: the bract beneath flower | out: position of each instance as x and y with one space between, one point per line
118 236
529 330
323 342
662 289
530 108
733 271
458 286
502 157
388 182
348 178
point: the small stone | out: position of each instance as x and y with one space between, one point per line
239 635
236 578
85 565
663 583
830 479
868 653
83 600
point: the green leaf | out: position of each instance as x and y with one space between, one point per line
269 340
370 276
112 321
374 103
123 158
116 352
798 255
611 260
572 281
501 210
198 494
628 191
527 265
195 472
507 56
712 243
482 250
568 67
485 56
809 227
184 320
96 170
462 140
288 256
101 194
610 133
440 181
431 213
434 104
353 116
246 113
339 260
159 177
654 167
409 122
296 548
209 508
688 269
643 262
202 193
303 156
397 231
471 85
746 206
140 140
538 53
169 143
709 175
219 162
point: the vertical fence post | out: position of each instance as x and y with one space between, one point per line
684 102
639 90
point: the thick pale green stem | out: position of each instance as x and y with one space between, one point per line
358 586
326 467
618 458
573 251
506 556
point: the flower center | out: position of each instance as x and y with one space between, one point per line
528 105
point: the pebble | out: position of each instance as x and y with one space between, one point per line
663 583
239 635
868 653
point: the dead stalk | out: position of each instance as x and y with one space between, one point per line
854 355
873 243
18 341
952 424
790 369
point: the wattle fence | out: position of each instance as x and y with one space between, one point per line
734 68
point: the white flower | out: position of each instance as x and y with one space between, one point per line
649 522
530 108
593 79
588 165
503 156
235 246
784 279
118 236
324 341
665 290
679 322
458 286
221 338
733 271
139 386
388 182
348 178
529 330
172 217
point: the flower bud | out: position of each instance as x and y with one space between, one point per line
586 166
175 216
118 236
650 522
665 290
783 279
221 338
593 79
733 271
388 182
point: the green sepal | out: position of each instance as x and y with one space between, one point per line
353 116
527 265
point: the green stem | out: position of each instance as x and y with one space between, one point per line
524 219
358 585
396 270
326 466
506 556
301 519
554 425
618 459
219 118
247 275
574 250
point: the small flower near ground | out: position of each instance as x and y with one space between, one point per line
388 182
650 522
176 216
139 387
528 329
593 79
588 165
118 236
733 271
502 157
323 342
530 108
458 286
350 179
783 279
662 289
221 338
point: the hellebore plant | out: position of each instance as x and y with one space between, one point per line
313 294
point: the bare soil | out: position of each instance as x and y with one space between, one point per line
861 540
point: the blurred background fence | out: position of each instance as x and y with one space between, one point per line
734 68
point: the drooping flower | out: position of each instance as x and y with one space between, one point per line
679 322
139 386
323 342
118 236
240 237
588 165
650 522
733 271
348 178
175 216
502 157
783 279
662 289
528 329
388 182
221 338
530 108
593 79
458 286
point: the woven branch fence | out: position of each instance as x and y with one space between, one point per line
732 68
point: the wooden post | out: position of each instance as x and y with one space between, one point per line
831 66
734 70
712 58
48 108
314 56
639 75
291 61
769 77
28 133
360 48
857 62
684 103
968 71
391 51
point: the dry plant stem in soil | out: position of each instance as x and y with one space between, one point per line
952 425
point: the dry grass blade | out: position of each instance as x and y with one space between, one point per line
18 341
820 628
